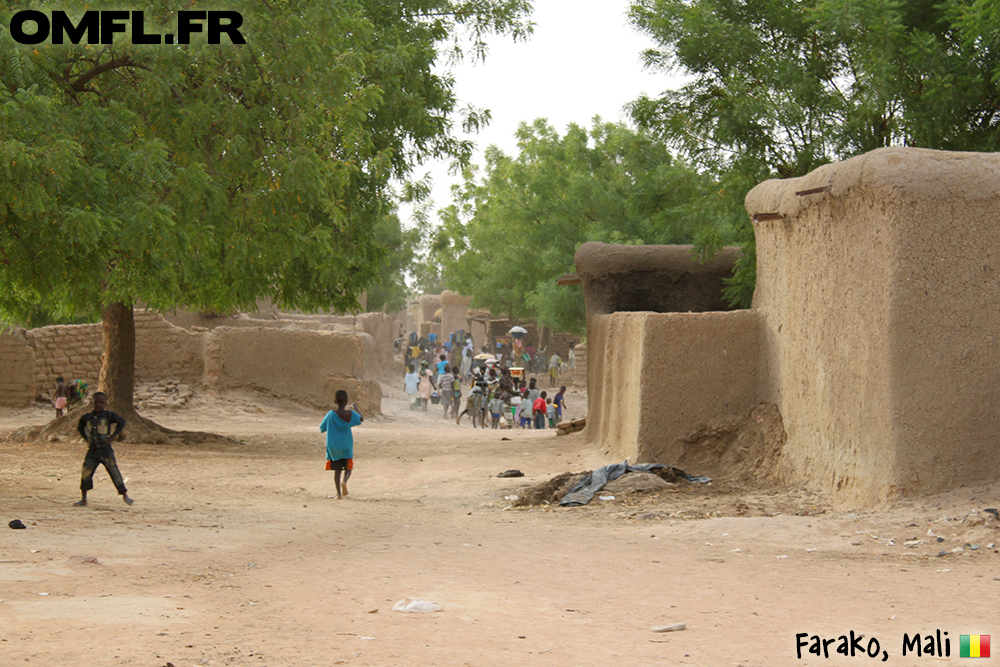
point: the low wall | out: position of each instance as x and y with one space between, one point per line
72 351
163 350
305 366
560 343
18 381
302 361
656 379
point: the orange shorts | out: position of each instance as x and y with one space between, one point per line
340 464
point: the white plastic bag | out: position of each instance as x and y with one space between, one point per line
416 605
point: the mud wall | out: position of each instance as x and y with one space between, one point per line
18 382
412 317
614 369
383 329
71 350
454 307
302 361
666 376
477 329
307 366
580 366
877 284
641 353
656 278
561 343
428 304
164 351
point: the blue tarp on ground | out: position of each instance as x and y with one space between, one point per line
583 491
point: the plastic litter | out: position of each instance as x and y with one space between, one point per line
416 606
673 627
583 491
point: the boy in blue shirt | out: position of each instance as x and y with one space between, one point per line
339 441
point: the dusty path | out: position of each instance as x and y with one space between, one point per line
237 555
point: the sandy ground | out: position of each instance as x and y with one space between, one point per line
236 554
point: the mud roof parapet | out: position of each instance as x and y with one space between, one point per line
653 278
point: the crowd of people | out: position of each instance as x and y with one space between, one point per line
493 385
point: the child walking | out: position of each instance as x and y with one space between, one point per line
339 441
540 408
496 408
61 396
95 428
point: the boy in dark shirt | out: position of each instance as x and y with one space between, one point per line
95 428
560 402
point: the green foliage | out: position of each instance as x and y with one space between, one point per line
777 88
401 246
507 238
209 176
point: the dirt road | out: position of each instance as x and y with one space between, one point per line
236 554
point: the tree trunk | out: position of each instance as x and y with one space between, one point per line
117 377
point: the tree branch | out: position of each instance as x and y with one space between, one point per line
80 85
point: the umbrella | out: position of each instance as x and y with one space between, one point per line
485 357
518 332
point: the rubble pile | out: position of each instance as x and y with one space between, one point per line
163 394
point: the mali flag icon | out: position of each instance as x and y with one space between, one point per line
975 646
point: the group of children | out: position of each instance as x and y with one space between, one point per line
529 407
539 410
100 427
534 414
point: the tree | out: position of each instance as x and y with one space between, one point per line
505 239
401 245
778 87
208 176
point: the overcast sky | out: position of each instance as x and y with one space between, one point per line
582 60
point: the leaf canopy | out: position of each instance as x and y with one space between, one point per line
209 176
507 237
